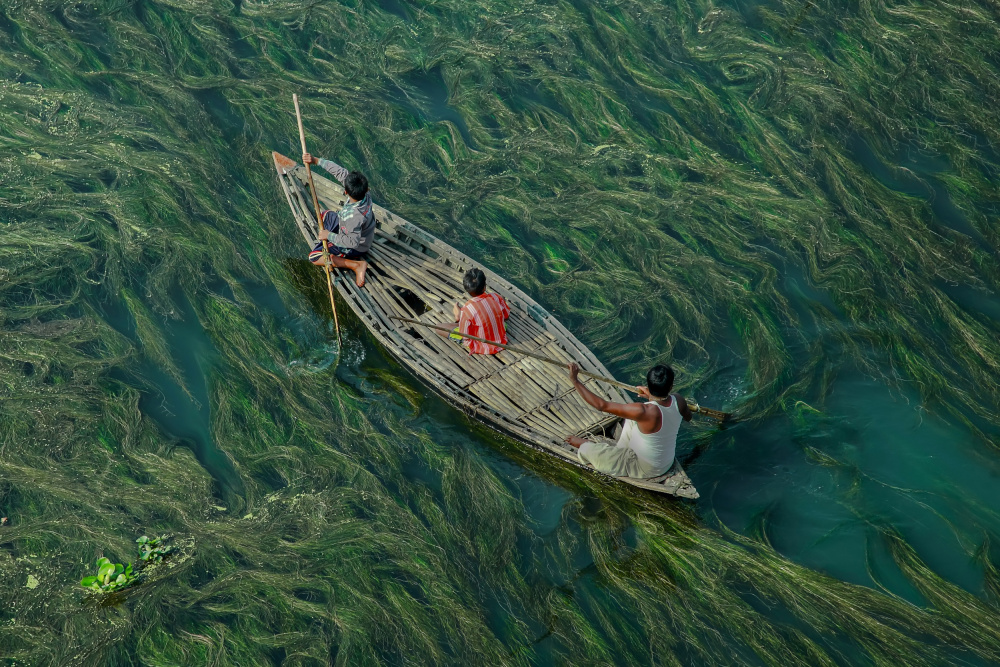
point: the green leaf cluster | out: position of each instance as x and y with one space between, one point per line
152 549
110 576
115 576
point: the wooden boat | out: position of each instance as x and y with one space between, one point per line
414 275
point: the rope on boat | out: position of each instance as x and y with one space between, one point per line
319 221
707 412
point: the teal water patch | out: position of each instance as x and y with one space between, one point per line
426 95
396 7
181 404
823 491
915 176
974 300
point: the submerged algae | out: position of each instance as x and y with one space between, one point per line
655 173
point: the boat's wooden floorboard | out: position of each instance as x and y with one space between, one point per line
508 383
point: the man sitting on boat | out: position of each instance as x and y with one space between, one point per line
649 437
353 226
483 315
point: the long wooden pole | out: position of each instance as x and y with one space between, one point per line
708 412
319 219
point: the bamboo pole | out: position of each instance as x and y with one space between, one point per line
708 412
319 219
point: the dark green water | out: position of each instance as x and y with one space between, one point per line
794 203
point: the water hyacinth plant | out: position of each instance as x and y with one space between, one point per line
152 549
115 576
110 577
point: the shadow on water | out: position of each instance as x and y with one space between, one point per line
181 410
267 298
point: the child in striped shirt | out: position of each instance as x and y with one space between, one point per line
483 315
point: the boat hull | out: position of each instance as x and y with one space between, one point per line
414 275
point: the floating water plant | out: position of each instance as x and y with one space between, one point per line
115 576
110 576
152 549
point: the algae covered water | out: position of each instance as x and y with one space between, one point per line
793 202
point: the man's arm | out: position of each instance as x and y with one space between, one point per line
506 307
463 318
682 405
634 411
335 169
464 324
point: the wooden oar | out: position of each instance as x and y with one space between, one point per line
319 219
708 412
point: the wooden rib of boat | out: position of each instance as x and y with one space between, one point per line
412 274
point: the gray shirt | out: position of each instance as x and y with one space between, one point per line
357 219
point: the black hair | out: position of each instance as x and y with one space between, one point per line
356 185
660 380
474 282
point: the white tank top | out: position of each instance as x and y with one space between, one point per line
656 449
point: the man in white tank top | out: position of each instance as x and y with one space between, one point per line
648 439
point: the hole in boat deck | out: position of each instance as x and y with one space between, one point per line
416 304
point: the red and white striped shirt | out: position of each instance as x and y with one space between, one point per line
483 316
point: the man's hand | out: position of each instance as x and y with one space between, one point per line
309 159
574 370
324 234
574 441
643 392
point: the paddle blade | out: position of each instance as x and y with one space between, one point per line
714 414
